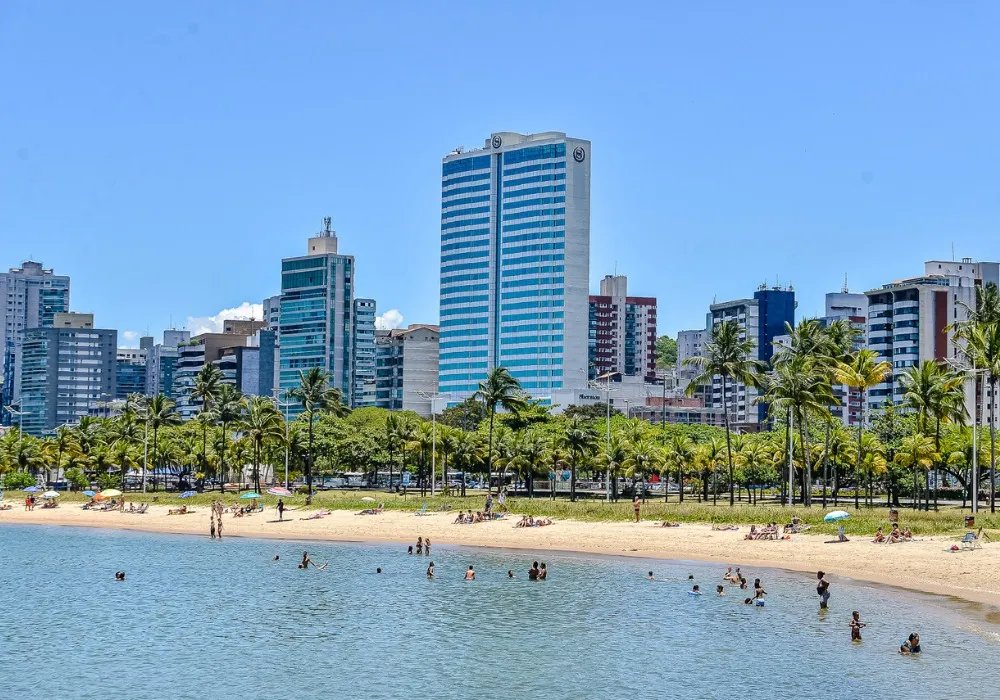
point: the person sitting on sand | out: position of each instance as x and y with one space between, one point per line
470 574
752 535
667 523
911 645
895 536
856 626
542 522
178 511
879 536
907 535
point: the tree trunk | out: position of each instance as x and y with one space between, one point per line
857 466
729 442
993 448
309 459
826 460
806 466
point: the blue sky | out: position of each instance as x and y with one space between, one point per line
167 155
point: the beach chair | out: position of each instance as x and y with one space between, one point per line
970 541
422 511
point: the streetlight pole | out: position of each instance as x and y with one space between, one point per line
285 404
444 477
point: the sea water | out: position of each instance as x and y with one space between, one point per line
198 618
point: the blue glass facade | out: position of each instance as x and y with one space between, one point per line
503 266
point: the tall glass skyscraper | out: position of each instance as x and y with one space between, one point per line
317 302
515 263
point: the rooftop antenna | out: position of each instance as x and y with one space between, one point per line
327 230
844 290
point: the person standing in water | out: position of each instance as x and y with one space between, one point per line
427 546
211 526
470 575
420 545
430 570
822 589
533 571
219 527
306 562
856 626
542 572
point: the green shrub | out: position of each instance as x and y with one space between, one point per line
108 481
18 480
77 479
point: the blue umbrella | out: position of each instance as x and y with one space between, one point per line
836 515
250 495
32 489
89 494
188 494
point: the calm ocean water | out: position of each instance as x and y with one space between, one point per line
204 619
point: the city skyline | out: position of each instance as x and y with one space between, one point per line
737 135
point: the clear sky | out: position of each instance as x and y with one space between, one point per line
167 155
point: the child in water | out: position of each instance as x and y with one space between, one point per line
696 590
856 625
720 590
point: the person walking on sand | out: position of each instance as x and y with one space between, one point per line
281 510
635 506
822 589
856 626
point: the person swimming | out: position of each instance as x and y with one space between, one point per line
748 601
276 558
720 590
856 626
409 550
119 576
911 645
430 570
306 562
470 574
695 591
649 576
510 573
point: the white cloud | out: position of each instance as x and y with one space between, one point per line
213 324
130 336
389 320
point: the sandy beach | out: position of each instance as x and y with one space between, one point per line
925 565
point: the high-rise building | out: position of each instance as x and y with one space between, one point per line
317 302
66 369
690 343
192 356
910 321
622 334
161 361
272 311
363 337
515 263
130 372
406 368
852 308
30 296
761 319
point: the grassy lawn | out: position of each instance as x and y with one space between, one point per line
864 521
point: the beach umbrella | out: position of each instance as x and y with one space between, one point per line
836 515
188 494
279 491
90 494
32 489
249 495
111 493
50 494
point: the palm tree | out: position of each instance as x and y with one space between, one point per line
161 411
680 453
228 409
728 357
613 455
861 373
712 454
499 389
63 443
262 424
644 457
579 438
916 451
316 396
982 349
803 387
466 453
751 457
206 387
534 449
123 432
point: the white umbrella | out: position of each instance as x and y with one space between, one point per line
50 494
